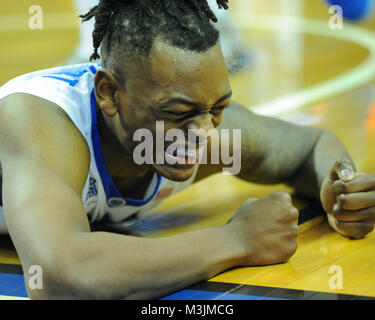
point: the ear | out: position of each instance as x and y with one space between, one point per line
107 92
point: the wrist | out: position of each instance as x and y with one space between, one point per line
238 252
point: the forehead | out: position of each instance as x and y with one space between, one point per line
189 73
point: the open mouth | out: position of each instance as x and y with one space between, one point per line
183 155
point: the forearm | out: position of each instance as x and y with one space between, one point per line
140 268
326 151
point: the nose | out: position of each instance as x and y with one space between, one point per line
199 128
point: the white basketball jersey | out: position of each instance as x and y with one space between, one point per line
72 88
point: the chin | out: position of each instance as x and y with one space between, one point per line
178 173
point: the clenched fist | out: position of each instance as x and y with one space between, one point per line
348 198
266 229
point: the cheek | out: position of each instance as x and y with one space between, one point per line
134 118
142 122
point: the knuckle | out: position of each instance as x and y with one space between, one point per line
371 228
275 195
339 186
341 200
338 161
370 214
249 201
366 227
292 249
357 235
293 232
336 211
246 204
284 196
294 212
337 164
356 230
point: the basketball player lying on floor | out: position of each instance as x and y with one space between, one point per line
66 150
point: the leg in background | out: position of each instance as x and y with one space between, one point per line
354 10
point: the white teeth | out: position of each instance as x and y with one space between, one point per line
192 153
181 152
179 155
189 153
200 152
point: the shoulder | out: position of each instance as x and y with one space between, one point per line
37 129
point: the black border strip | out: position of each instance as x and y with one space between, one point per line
11 268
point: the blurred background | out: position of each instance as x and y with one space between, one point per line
292 59
287 45
298 60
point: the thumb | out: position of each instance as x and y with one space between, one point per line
343 170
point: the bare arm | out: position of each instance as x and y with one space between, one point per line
45 162
275 151
316 168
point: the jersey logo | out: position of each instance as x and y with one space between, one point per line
93 190
72 78
116 202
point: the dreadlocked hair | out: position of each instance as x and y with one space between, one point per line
128 27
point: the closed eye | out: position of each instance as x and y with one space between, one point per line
179 115
219 109
185 114
177 112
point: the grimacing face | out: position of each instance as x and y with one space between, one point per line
184 89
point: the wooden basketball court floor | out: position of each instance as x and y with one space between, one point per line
301 71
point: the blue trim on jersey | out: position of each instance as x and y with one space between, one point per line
93 70
110 188
74 72
71 74
71 82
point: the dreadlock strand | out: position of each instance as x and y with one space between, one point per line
223 4
173 10
103 16
88 16
184 23
208 12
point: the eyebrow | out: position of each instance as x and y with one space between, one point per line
194 104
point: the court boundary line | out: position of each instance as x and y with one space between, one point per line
268 291
360 75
